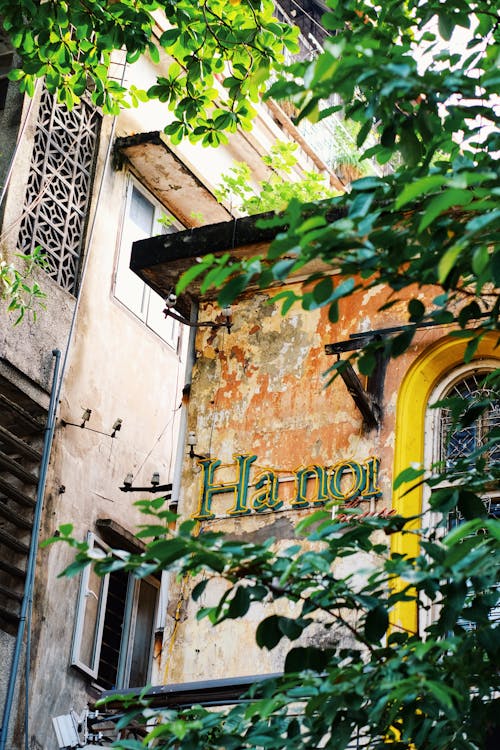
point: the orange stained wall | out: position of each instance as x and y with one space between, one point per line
262 390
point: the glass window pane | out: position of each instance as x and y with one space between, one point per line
142 212
89 638
89 617
143 634
166 327
129 288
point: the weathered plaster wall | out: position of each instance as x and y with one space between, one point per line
120 369
262 390
28 347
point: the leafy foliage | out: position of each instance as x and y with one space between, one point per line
17 288
221 55
275 192
437 689
432 221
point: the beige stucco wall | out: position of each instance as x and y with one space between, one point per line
119 368
115 366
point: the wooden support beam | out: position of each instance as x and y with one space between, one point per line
369 401
363 400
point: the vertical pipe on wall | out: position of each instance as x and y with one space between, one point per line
179 458
181 443
30 568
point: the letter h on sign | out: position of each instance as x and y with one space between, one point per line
240 487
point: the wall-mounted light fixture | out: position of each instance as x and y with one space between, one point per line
117 424
223 320
191 441
155 485
85 416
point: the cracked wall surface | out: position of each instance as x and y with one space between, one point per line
262 390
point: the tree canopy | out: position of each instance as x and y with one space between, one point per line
422 77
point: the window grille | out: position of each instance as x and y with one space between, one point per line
456 444
462 442
59 187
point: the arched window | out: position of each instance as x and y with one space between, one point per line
450 445
431 375
460 442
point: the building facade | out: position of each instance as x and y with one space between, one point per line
95 413
91 392
272 441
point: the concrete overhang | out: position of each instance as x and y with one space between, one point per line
160 261
169 180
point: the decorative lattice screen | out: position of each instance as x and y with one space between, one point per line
59 187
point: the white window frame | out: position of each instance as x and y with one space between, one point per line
83 593
142 301
129 621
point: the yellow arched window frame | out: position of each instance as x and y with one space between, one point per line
413 399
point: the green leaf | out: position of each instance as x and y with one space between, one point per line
154 53
416 309
169 37
199 589
480 259
408 475
193 272
443 693
323 290
447 261
444 500
308 657
495 267
232 289
417 188
446 24
471 506
400 343
443 202
376 623
239 604
268 633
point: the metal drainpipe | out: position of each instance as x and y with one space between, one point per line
30 568
179 461
181 443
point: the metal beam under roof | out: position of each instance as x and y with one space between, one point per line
160 261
